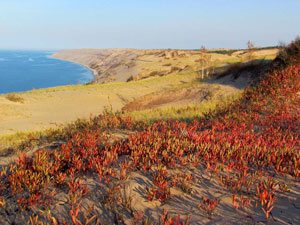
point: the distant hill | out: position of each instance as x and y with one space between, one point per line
121 65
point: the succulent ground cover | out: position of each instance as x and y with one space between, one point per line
238 165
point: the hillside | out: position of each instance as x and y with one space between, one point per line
45 108
174 74
119 65
162 154
239 164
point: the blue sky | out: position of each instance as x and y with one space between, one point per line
186 24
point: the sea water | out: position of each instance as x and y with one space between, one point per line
27 70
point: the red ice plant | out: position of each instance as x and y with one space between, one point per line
242 145
208 206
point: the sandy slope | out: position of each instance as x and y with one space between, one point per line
42 110
55 106
50 107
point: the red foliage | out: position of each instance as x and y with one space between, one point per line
244 145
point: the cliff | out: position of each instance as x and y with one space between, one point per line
108 65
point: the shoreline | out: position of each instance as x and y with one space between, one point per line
94 72
86 76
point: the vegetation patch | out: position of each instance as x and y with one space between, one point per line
153 73
130 79
14 98
235 162
241 160
167 64
182 113
288 55
256 67
175 69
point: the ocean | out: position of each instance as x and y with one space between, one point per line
26 70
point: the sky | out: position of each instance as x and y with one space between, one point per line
146 24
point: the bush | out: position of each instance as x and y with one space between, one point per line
175 69
167 64
154 73
224 52
130 79
288 55
14 98
236 69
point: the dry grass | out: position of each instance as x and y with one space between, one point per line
182 113
28 140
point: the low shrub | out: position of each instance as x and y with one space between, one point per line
14 98
175 69
154 73
129 79
288 55
236 69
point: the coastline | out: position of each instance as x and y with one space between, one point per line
108 65
94 72
33 64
